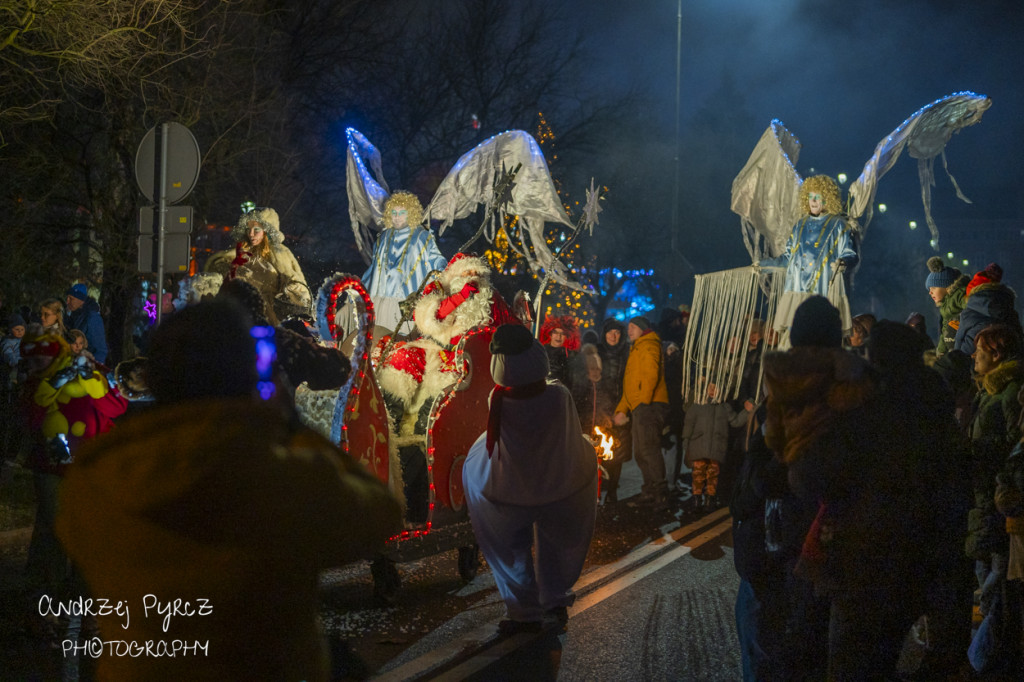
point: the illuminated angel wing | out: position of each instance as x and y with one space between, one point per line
533 196
926 134
366 193
766 193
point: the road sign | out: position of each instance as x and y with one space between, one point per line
177 250
178 221
182 163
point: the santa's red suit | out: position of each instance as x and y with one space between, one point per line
415 372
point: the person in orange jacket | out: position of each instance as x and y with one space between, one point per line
644 402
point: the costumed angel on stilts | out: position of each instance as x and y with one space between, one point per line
801 226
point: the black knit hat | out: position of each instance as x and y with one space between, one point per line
642 322
511 339
816 322
610 324
517 359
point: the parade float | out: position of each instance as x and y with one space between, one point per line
417 397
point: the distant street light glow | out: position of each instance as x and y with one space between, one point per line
913 224
882 208
842 178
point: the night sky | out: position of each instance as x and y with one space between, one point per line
840 76
839 79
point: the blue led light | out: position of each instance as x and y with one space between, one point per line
266 354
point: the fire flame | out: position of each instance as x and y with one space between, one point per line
606 444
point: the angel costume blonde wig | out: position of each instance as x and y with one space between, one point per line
409 202
827 188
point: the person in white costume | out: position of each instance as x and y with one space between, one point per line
531 483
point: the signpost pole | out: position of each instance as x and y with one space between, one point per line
161 222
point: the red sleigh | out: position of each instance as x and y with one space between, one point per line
358 422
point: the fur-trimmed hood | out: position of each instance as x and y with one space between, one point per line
268 220
1002 376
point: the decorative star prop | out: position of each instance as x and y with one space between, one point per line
591 209
503 186
150 309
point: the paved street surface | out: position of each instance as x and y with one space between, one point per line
655 603
663 612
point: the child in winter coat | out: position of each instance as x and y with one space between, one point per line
11 349
706 434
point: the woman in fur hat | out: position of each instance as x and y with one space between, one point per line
261 258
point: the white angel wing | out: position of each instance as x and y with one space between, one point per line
926 133
766 193
533 196
366 193
471 182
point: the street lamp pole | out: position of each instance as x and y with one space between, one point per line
675 185
679 64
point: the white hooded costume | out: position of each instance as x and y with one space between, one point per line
537 487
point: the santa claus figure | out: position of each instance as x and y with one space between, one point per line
416 372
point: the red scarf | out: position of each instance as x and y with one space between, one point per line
498 394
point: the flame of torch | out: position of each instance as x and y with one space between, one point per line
606 444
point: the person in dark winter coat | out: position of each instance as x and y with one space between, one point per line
614 351
994 432
84 314
781 622
988 301
1010 503
672 329
299 356
782 625
837 423
924 410
560 337
11 351
218 496
594 409
947 287
706 434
